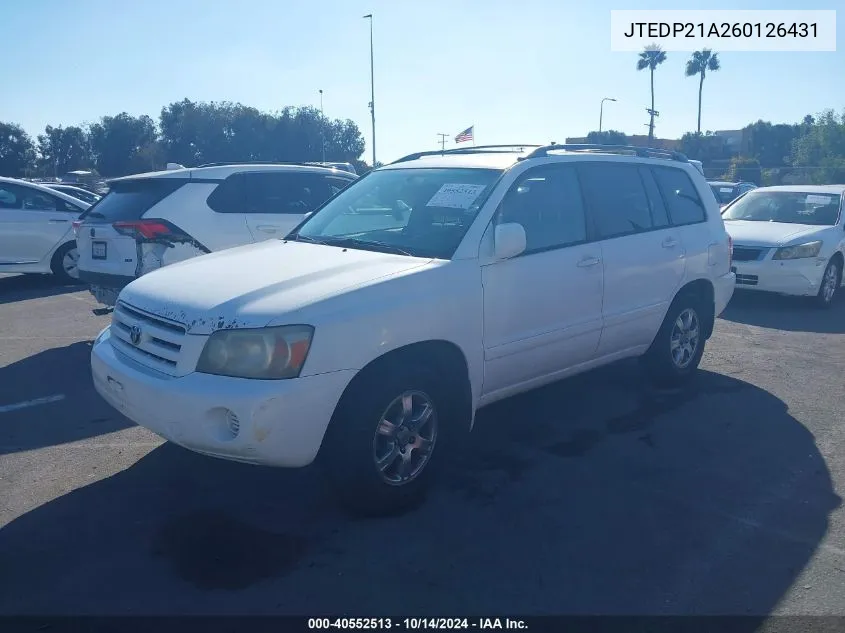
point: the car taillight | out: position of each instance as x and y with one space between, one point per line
149 229
76 224
730 252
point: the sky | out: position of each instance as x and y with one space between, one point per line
527 71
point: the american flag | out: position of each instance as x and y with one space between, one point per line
465 136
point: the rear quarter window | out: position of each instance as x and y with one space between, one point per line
680 195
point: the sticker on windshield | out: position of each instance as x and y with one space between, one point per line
812 199
726 190
456 196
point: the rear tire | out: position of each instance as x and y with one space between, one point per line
676 351
387 437
65 264
831 280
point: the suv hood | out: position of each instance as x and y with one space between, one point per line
249 286
750 233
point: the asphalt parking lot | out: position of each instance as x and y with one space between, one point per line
595 495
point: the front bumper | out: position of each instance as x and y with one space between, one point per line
798 277
269 422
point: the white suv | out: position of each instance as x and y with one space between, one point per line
427 289
151 220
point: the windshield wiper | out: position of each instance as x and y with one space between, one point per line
305 238
354 241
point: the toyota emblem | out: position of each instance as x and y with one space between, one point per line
135 335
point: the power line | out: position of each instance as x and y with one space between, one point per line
442 140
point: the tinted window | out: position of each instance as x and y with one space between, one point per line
228 196
284 192
337 184
130 199
547 203
685 206
659 215
616 197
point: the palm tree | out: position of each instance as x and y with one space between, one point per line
651 58
699 64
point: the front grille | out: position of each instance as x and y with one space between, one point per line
158 342
746 280
747 254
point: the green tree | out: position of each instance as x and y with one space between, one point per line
821 152
704 147
772 144
61 150
607 137
120 144
17 152
746 169
700 62
651 58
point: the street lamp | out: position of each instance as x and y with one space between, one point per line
601 109
322 127
369 16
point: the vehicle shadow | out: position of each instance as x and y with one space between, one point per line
73 410
793 314
22 287
596 495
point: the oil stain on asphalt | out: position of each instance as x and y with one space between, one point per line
211 550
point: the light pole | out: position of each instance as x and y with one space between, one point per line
322 127
369 16
601 109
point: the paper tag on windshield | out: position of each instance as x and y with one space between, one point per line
455 196
726 189
811 199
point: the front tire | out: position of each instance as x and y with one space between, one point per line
65 264
386 437
831 280
676 351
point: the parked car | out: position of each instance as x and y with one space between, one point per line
789 240
76 192
151 220
427 289
727 192
35 230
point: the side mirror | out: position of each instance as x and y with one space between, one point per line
508 240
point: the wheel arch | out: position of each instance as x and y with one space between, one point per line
703 289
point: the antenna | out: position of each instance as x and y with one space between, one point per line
442 140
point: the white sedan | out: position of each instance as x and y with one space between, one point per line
36 233
789 240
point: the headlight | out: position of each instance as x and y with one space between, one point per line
265 353
810 249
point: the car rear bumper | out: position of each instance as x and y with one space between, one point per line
269 422
723 290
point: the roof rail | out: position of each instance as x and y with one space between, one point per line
642 152
260 162
510 148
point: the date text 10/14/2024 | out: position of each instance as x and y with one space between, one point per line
415 624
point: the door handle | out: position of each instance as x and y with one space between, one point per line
57 220
588 261
670 242
267 228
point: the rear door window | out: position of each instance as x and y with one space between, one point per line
616 197
131 199
285 192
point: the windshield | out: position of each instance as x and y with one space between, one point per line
790 207
418 212
724 193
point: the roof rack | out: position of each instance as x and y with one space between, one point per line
642 152
511 148
261 162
